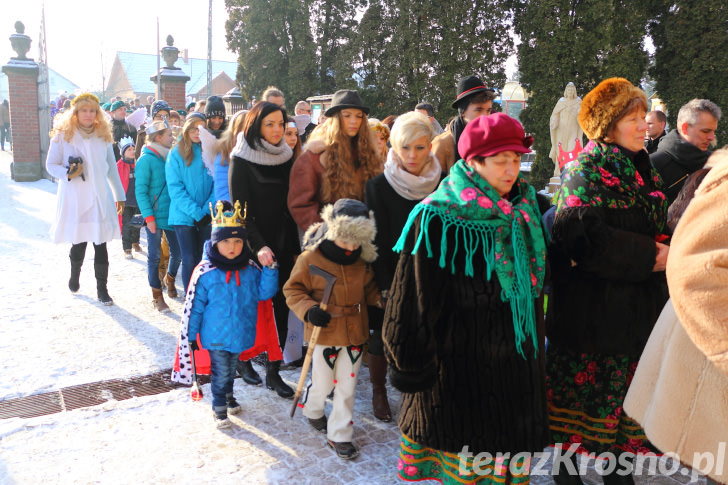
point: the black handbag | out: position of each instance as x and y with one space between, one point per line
137 220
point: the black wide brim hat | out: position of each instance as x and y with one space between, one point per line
345 99
467 87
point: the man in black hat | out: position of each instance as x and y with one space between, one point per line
474 99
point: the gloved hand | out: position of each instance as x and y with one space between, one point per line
318 317
193 345
207 219
74 170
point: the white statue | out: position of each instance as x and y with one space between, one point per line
564 126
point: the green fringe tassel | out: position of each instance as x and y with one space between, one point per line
482 234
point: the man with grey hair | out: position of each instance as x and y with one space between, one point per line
303 120
273 95
685 149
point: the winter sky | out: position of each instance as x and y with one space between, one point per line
80 32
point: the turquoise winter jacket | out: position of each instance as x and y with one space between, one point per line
151 188
191 189
225 314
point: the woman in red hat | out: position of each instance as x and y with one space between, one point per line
460 329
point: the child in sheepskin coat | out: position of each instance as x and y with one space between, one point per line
341 245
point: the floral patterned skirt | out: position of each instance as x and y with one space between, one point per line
585 393
417 462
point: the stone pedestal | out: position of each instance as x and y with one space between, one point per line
173 86
24 127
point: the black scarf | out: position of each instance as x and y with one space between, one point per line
226 264
338 255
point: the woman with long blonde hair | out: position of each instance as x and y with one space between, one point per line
81 157
191 191
339 159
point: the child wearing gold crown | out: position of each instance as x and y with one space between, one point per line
222 306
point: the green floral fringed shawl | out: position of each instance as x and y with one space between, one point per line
507 233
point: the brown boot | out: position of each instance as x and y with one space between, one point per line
158 300
169 283
378 377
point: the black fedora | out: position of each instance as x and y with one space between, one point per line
468 86
343 99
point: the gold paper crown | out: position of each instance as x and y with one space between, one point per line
85 97
222 219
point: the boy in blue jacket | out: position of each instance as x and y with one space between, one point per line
222 303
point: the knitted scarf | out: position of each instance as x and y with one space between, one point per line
408 186
267 154
605 176
477 221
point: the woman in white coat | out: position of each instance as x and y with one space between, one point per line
90 194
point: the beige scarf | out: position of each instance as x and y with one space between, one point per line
408 186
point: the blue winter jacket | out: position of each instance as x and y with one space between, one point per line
225 314
190 188
151 188
222 187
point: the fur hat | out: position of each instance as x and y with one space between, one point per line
347 219
215 107
604 103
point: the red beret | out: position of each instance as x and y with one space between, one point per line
491 134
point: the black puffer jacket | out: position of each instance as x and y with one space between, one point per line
675 159
450 343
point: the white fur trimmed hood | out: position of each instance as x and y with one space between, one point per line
347 219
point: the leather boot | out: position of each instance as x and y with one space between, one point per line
102 274
158 301
273 380
73 283
378 378
246 371
169 282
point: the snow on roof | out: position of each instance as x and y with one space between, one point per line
139 69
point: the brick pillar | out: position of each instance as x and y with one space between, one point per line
23 89
173 86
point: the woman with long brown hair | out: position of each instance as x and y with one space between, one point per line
338 161
191 191
81 157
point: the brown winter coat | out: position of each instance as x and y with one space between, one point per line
443 146
4 114
679 393
305 200
354 286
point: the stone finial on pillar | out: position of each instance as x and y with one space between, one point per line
172 80
22 76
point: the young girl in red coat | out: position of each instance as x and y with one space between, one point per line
125 166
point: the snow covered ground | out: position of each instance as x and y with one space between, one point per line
51 339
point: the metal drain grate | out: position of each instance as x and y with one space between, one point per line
92 394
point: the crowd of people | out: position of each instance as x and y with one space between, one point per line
426 250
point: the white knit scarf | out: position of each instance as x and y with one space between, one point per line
408 186
267 155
